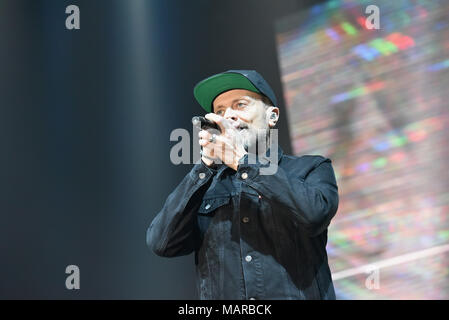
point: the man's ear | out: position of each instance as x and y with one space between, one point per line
272 114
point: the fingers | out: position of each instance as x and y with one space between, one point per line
205 138
220 121
207 152
219 147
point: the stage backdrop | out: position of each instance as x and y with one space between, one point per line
376 103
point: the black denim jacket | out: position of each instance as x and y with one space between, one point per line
254 236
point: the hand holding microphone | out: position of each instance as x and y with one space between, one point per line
221 139
207 152
204 124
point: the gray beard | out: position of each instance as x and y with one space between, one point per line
265 145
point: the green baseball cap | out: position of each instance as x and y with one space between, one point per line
208 89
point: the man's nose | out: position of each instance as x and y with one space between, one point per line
230 114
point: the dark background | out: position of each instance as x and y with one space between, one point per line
85 121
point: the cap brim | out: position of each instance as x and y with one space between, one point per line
207 90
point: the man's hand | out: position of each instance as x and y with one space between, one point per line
227 146
207 152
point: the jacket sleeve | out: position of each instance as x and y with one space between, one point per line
172 231
311 202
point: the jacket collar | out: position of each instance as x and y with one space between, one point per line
223 167
280 153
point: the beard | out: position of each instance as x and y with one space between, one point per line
254 140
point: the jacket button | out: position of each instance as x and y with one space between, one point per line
207 206
248 258
202 175
244 175
245 219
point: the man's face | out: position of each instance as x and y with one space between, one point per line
246 111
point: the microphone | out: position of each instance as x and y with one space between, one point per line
204 124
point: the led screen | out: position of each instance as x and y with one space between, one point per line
376 101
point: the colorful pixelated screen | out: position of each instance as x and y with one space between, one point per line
376 101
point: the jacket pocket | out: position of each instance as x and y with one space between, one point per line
207 215
210 205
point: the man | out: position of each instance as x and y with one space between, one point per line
254 235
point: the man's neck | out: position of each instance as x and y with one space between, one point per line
262 148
